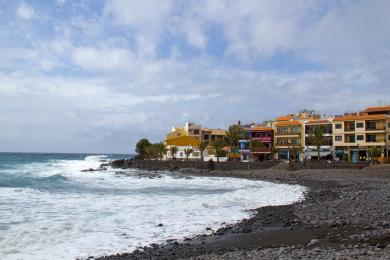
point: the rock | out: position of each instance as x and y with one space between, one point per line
89 170
313 242
160 225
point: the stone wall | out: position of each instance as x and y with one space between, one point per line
326 165
174 165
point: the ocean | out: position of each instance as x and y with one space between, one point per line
50 209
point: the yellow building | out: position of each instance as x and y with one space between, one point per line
182 143
288 134
354 134
176 132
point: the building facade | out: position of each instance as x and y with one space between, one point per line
353 135
326 148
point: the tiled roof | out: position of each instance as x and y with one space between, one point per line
287 123
377 109
218 132
285 118
361 117
318 122
260 128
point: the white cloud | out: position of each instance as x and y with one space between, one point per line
102 59
25 11
146 13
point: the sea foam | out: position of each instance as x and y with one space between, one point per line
100 213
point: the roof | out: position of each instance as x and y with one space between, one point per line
318 122
361 117
218 132
285 118
288 123
260 128
178 132
377 109
183 141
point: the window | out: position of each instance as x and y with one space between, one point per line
359 125
351 139
371 138
388 137
360 137
295 129
338 138
371 125
388 125
338 126
196 132
181 154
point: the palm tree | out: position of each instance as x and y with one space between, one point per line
188 152
202 147
173 149
218 145
254 145
295 150
273 151
374 152
161 149
234 134
317 137
150 151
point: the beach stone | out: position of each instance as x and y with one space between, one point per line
313 242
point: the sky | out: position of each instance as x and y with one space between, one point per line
96 76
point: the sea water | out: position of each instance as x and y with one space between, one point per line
50 209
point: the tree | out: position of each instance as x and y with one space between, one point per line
254 145
317 137
173 149
188 152
294 151
234 134
150 151
374 153
202 147
141 147
161 149
218 145
273 151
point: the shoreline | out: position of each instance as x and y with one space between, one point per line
346 212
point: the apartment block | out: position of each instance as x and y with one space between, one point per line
353 135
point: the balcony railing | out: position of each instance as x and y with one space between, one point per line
288 133
263 139
378 128
262 150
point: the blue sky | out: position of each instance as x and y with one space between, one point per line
95 76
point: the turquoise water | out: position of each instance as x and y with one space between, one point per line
50 209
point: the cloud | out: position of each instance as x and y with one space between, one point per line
103 74
147 13
102 59
25 11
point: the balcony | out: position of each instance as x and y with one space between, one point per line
288 133
262 150
377 128
264 139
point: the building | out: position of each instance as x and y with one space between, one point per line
353 135
262 134
182 143
326 149
378 110
289 133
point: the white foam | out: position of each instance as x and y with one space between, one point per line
123 212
